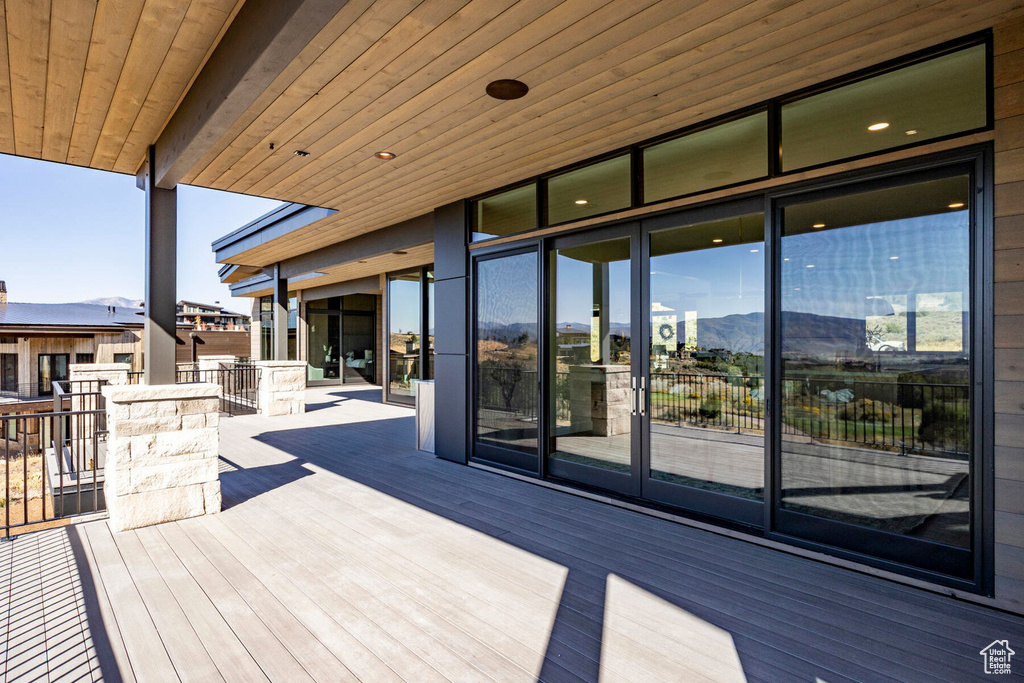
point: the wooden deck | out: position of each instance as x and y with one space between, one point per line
345 555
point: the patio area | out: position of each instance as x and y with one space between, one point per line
344 554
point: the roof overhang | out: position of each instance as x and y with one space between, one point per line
268 227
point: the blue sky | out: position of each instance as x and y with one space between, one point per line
69 234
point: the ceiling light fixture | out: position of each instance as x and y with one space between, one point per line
785 259
878 126
399 253
818 225
754 251
507 89
810 265
386 156
956 205
894 258
911 132
301 153
581 202
717 240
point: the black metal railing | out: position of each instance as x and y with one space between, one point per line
906 417
25 392
53 460
239 383
240 386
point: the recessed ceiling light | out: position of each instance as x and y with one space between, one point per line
360 261
507 89
785 259
911 132
796 289
894 258
386 156
581 202
810 265
301 153
754 251
878 126
399 253
956 205
818 225
717 240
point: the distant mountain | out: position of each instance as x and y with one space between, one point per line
118 301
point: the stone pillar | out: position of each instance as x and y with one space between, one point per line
282 387
215 362
599 399
162 451
111 373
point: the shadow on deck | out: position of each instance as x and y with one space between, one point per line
344 554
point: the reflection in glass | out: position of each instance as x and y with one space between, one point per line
707 395
507 363
357 353
591 190
429 373
404 333
590 419
505 213
875 363
726 154
322 347
932 99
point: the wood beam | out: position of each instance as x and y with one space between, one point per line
261 42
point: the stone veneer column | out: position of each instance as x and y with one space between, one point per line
113 373
282 387
214 362
162 451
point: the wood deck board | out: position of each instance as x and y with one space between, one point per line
343 554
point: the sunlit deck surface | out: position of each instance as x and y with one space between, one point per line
344 554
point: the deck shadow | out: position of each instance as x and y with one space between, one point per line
109 670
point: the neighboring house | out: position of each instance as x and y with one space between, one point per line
39 343
210 317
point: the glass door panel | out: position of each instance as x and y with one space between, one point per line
875 372
357 347
592 387
404 304
706 392
507 361
323 347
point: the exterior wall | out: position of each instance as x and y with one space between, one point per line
254 331
102 346
216 343
1009 315
379 372
451 358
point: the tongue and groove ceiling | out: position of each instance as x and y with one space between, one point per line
94 83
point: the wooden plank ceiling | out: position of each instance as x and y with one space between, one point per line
408 76
92 82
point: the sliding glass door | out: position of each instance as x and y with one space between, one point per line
592 368
507 359
705 424
875 309
811 371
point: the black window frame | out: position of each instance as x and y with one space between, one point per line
47 389
426 350
773 107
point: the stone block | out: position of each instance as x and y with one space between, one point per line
183 442
135 510
199 406
144 409
212 497
193 421
119 450
148 425
171 473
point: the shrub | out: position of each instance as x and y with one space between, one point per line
943 425
710 408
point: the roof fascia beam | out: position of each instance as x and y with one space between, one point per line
411 233
264 37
